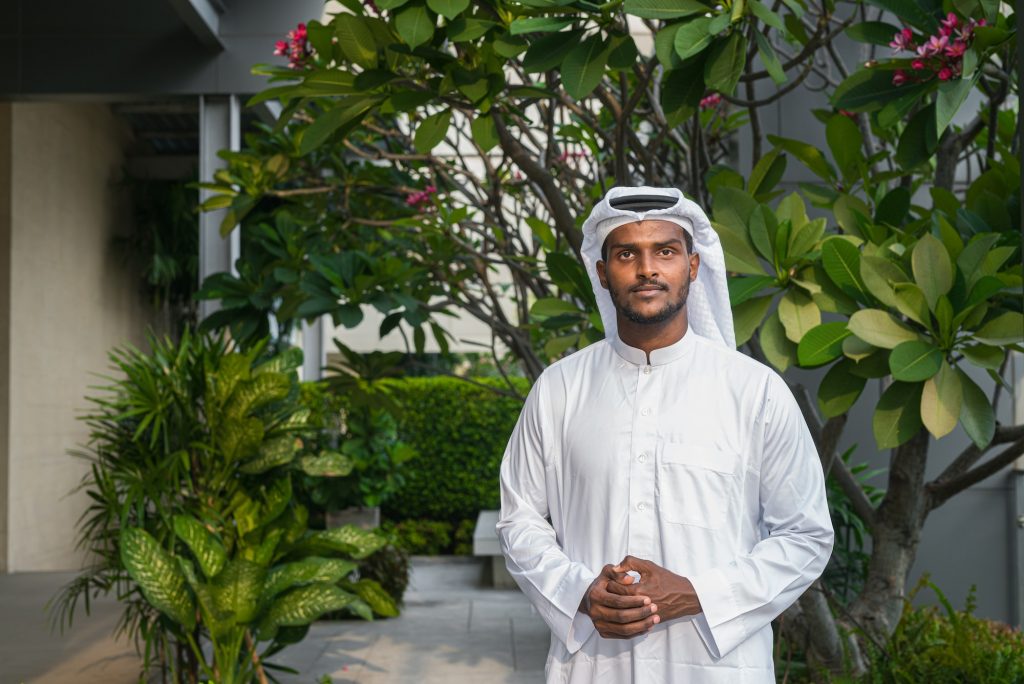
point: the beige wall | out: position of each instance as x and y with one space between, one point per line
71 299
5 316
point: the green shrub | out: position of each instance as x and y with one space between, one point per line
948 647
459 431
422 537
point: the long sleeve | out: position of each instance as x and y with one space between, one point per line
746 594
553 583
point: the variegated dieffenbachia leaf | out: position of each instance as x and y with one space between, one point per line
348 539
327 464
305 571
274 452
159 577
237 589
203 543
303 605
256 392
240 438
379 600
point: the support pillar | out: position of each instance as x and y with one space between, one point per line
219 129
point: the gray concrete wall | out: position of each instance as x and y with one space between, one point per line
71 298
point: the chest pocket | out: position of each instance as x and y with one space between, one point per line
696 482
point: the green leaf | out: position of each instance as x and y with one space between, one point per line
663 9
873 366
880 328
553 306
204 544
327 464
950 97
973 255
236 590
509 46
449 9
919 140
537 25
583 67
342 113
844 141
769 58
272 453
868 90
159 577
485 134
414 24
767 173
431 131
622 53
841 260
304 605
893 208
779 351
809 155
940 401
873 32
798 314
822 344
932 268
851 212
857 349
355 38
911 303
804 239
747 317
305 571
692 37
683 88
984 356
897 416
760 234
914 361
725 62
742 288
879 276
976 413
914 12
548 52
466 29
770 18
375 596
739 257
839 389
1007 328
348 539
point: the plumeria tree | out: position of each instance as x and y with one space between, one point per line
498 124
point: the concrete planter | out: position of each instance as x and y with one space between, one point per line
367 518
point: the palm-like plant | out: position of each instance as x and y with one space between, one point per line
192 519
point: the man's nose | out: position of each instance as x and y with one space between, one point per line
646 266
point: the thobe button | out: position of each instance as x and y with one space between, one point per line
645 411
642 458
647 370
641 506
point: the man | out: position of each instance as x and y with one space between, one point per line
665 451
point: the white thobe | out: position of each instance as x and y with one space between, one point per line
699 461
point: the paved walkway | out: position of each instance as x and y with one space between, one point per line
451 631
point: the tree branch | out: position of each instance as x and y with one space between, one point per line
941 491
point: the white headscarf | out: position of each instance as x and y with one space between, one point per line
708 310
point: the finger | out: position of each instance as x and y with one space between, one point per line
618 601
629 615
623 589
612 630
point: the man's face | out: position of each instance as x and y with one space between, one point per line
648 271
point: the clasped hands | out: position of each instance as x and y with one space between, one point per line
622 609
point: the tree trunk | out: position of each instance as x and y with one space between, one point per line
895 537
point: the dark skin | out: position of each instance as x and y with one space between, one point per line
648 273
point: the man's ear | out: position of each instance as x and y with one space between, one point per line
694 266
601 275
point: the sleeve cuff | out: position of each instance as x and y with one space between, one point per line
719 624
579 627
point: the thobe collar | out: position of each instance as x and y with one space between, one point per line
660 356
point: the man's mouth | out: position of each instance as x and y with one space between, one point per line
648 287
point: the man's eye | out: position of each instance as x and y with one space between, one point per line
625 254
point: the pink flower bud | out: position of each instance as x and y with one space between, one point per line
917 64
945 74
899 77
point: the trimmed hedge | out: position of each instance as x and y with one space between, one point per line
459 431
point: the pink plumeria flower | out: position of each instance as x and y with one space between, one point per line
951 21
904 40
934 46
917 64
281 48
709 101
899 77
957 49
945 73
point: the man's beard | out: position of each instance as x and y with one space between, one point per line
666 313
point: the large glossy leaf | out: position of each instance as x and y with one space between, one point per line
741 288
725 63
915 361
583 67
918 13
431 131
683 87
356 40
911 303
950 97
798 314
692 37
272 453
919 139
841 260
237 589
777 348
333 120
857 349
327 464
663 9
873 32
767 173
897 416
810 155
879 275
449 9
976 414
880 328
1007 328
240 438
548 52
839 389
375 596
414 24
537 25
203 543
984 356
257 392
844 141
306 571
303 605
739 257
159 577
748 316
802 240
349 539
822 344
941 400
868 90
932 268
770 58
